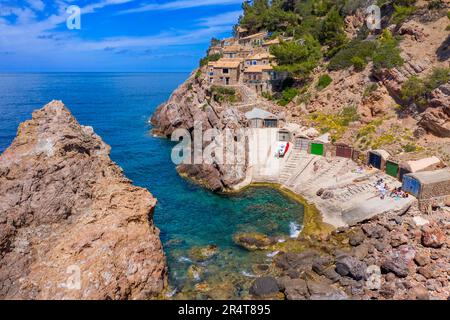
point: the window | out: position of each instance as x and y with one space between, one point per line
225 71
254 62
270 123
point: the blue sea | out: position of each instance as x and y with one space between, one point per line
118 106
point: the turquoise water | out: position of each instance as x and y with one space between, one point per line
118 106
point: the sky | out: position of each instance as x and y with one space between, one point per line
112 35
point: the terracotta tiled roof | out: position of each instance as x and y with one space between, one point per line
260 56
226 63
271 42
256 35
258 69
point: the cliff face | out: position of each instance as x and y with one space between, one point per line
193 103
71 225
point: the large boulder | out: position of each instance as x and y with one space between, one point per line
294 289
264 286
352 267
433 236
399 261
71 225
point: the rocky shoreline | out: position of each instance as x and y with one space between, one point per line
71 225
389 257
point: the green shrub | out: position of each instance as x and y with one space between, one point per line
287 96
409 147
387 55
198 74
438 77
401 13
348 115
416 90
343 59
359 63
436 5
223 94
267 95
324 81
413 88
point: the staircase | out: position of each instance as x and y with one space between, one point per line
354 190
290 166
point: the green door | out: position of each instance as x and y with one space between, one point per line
317 149
392 169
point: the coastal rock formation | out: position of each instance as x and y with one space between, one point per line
191 106
71 225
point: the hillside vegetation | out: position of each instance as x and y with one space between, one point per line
394 77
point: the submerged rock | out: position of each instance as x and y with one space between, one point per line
195 272
71 225
201 254
254 241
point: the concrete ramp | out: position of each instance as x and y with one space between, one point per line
375 206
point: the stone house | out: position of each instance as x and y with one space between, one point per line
269 43
225 71
431 188
215 50
228 42
236 51
259 118
259 78
254 40
263 58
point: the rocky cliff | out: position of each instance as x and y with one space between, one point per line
193 102
71 225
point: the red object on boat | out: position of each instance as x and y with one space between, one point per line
287 148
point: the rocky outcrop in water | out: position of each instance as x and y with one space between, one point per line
192 103
71 225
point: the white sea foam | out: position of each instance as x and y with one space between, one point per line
273 254
184 259
294 230
171 293
248 274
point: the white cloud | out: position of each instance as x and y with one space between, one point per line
180 4
37 5
227 18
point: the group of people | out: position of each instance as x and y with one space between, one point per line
383 189
399 193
